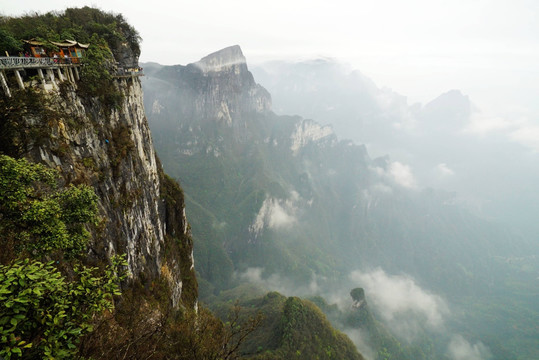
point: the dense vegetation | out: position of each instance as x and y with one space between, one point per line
47 306
52 305
50 309
111 40
292 328
38 219
78 24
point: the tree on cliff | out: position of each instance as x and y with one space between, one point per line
46 306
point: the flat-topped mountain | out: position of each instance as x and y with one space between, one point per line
230 57
219 88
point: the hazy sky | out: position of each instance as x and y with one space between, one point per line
489 49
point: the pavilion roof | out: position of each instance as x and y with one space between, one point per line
70 43
63 43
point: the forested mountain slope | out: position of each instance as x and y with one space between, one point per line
282 201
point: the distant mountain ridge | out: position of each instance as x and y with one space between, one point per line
284 195
443 141
301 161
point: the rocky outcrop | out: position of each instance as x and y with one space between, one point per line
224 60
358 297
449 112
126 55
308 131
218 88
109 147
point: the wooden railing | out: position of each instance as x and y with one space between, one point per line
13 62
128 72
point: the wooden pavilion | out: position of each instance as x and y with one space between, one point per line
69 50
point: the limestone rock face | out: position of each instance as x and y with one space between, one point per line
218 88
230 57
111 149
308 131
126 55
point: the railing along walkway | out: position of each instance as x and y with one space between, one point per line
65 68
128 72
13 62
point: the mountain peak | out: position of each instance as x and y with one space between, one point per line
450 110
449 99
221 59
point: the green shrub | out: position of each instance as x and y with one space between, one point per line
36 216
95 74
9 43
73 23
43 315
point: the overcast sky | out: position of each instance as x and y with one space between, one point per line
489 49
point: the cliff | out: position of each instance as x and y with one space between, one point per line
218 88
110 148
211 119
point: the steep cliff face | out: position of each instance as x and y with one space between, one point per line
227 89
251 176
110 148
262 180
219 88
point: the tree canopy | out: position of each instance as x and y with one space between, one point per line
74 23
45 307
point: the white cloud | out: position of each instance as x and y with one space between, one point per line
481 124
527 135
396 173
402 174
519 129
279 215
402 304
362 342
460 349
276 214
275 282
444 170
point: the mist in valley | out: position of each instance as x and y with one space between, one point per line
487 161
378 160
322 183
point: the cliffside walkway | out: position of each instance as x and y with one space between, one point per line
128 72
66 69
46 67
12 62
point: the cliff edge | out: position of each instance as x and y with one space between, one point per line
109 147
